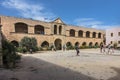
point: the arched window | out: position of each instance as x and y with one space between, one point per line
21 27
72 32
45 44
84 44
55 29
88 34
60 30
99 35
39 29
80 33
94 34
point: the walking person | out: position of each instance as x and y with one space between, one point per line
31 51
64 47
77 50
110 48
104 47
101 47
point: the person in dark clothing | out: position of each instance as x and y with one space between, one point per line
101 47
77 50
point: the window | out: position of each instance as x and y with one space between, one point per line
21 27
80 33
87 34
72 32
39 29
118 33
111 34
118 42
111 42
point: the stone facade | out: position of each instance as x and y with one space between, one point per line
49 33
113 36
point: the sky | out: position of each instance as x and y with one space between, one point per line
99 14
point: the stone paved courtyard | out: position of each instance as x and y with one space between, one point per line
65 65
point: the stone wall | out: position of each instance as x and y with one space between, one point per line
8 29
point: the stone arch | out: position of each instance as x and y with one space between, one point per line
77 44
80 33
45 44
60 30
84 44
68 44
21 27
72 32
96 44
15 43
88 34
55 29
58 44
94 34
39 29
90 44
99 35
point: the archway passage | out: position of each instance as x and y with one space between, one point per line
77 44
45 44
15 43
58 44
68 44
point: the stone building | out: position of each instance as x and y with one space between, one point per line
113 36
50 33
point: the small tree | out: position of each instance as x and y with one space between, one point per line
29 43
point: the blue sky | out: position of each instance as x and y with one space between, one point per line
100 14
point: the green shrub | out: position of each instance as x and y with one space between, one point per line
21 49
9 54
28 43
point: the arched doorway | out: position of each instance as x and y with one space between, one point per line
77 44
45 44
15 43
90 44
58 44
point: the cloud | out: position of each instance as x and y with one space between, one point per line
28 10
92 23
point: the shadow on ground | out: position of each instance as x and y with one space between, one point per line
117 77
38 69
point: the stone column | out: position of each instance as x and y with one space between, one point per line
76 33
84 34
31 29
57 29
1 62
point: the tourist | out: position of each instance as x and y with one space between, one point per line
31 51
77 50
104 47
101 47
110 48
64 47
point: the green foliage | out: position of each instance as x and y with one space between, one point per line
21 49
70 47
28 43
9 54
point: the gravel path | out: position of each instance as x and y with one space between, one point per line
65 65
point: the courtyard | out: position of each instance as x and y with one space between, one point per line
65 65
